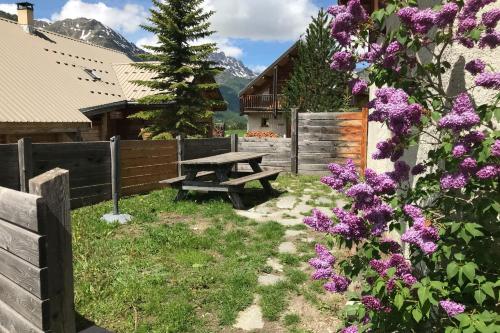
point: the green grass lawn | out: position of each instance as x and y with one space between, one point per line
178 267
240 133
189 266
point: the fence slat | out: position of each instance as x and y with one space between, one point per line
26 304
21 209
23 243
14 322
31 278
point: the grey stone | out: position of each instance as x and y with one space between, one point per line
287 247
275 264
269 279
251 318
287 202
121 218
293 233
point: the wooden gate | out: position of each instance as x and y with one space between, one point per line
36 274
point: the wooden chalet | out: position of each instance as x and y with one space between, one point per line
55 88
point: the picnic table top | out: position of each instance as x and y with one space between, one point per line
228 158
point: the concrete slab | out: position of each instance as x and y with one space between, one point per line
275 264
251 318
294 233
286 202
269 279
287 247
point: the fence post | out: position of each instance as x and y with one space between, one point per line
53 187
364 140
295 141
115 173
234 147
25 151
180 153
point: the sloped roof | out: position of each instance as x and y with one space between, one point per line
49 78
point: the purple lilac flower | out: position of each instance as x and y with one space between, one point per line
337 284
374 304
391 245
475 67
322 263
374 53
474 137
385 149
423 21
336 9
378 216
409 279
394 47
491 18
401 171
357 11
418 169
381 184
420 234
319 221
406 14
403 269
343 61
488 80
490 39
488 172
341 175
459 150
392 106
363 195
351 226
469 164
454 181
467 25
452 308
358 86
447 14
462 115
350 329
495 148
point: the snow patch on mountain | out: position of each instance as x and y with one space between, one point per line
232 66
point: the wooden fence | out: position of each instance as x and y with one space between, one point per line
36 274
324 138
279 151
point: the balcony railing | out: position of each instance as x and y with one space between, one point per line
261 102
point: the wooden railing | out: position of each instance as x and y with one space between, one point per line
261 102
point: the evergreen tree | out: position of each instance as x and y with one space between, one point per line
314 87
184 75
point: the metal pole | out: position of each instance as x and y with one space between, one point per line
115 173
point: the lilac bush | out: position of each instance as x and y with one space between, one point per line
441 273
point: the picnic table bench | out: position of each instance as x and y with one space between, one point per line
216 174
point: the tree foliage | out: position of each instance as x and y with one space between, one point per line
184 75
313 87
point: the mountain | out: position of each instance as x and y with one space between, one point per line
232 66
234 78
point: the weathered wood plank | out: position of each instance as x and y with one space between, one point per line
148 170
143 188
268 174
227 158
22 209
27 276
330 115
357 130
133 154
331 137
24 148
23 243
322 122
26 304
150 160
149 144
13 322
132 181
90 190
181 178
53 187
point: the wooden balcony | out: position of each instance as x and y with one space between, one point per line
270 103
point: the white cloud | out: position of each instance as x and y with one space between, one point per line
8 8
126 19
261 19
224 44
258 68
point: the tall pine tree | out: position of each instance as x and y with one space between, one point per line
184 75
314 87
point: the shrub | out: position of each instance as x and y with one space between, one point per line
448 279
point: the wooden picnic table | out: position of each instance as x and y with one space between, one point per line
217 174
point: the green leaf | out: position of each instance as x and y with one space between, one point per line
470 271
472 228
497 113
417 315
423 294
390 272
435 116
452 269
399 301
479 296
488 289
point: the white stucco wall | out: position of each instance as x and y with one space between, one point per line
455 81
277 125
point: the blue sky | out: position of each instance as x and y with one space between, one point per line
255 31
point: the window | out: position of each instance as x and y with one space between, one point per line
264 122
93 74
